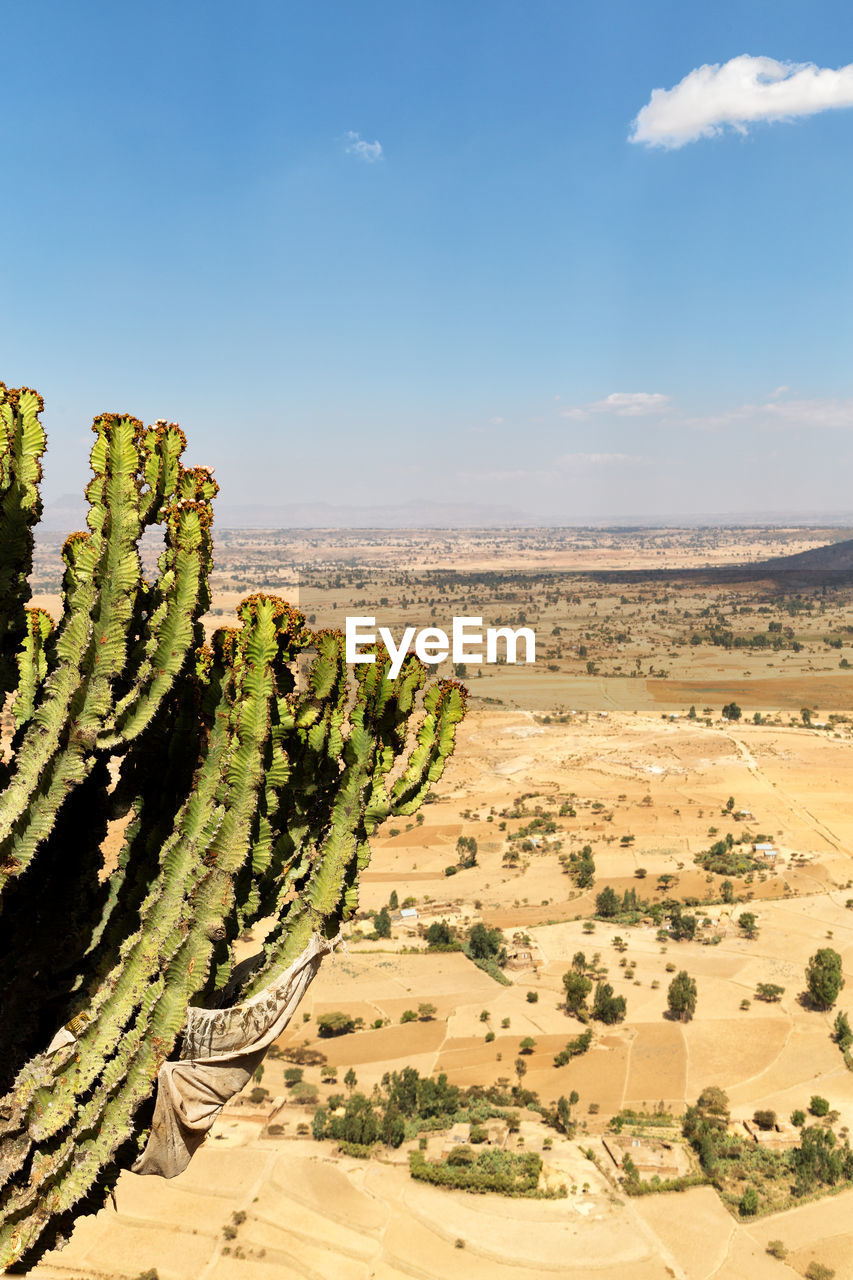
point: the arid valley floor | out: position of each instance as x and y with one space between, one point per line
615 739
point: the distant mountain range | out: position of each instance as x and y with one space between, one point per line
404 515
68 512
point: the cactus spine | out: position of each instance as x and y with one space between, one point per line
247 791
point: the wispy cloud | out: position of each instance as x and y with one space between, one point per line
495 422
584 461
625 404
370 152
833 414
797 414
736 94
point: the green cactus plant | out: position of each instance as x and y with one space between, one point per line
243 777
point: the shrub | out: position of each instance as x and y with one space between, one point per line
818 1106
748 1202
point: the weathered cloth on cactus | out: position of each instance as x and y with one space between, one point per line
222 1049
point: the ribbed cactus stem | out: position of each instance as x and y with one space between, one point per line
248 794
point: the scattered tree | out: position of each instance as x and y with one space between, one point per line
607 1007
607 903
578 987
681 996
771 992
746 922
824 978
382 923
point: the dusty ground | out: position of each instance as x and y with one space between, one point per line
649 788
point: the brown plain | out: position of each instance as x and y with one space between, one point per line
602 722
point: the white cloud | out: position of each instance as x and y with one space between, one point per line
583 461
810 413
370 152
797 414
631 404
495 422
736 94
626 404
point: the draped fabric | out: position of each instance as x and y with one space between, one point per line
222 1050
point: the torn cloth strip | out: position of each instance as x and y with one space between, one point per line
222 1049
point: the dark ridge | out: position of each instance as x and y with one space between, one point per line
831 565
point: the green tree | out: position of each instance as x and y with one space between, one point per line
393 901
681 996
731 711
824 978
746 923
527 1045
485 944
818 1160
439 935
771 992
727 891
682 926
335 1024
607 1007
577 987
350 1079
382 923
608 903
393 1126
842 1031
581 866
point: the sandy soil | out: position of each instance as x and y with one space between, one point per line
648 793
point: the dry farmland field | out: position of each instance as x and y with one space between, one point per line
606 764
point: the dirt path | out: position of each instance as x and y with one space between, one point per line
795 807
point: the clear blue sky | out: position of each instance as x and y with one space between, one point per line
197 224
